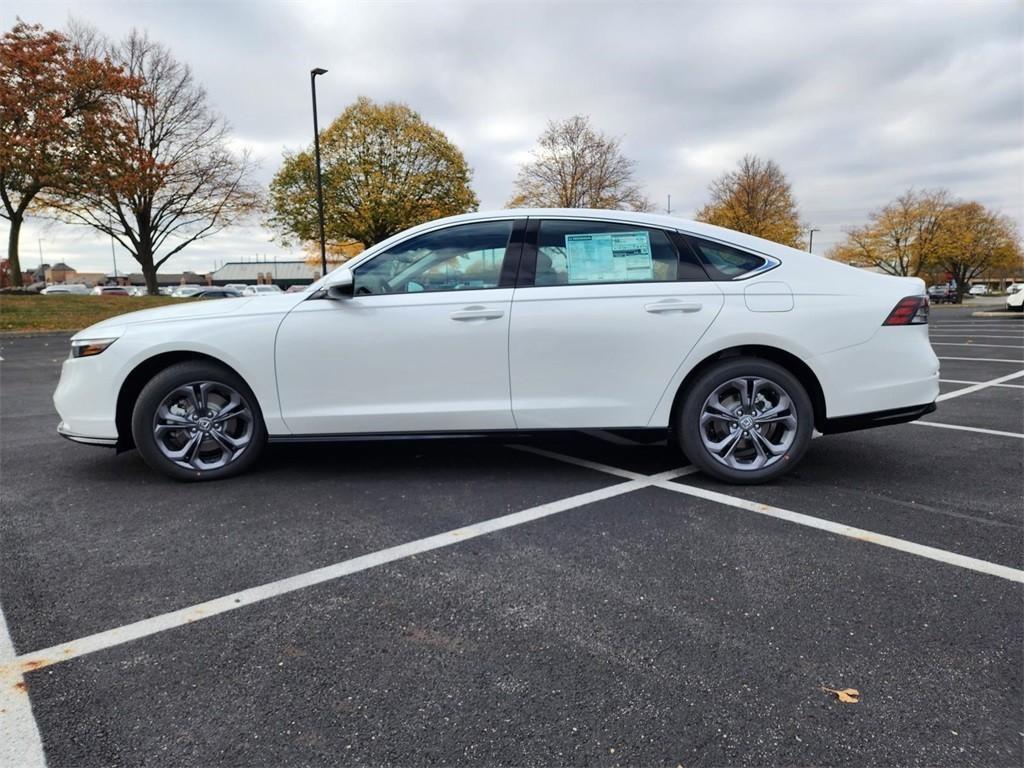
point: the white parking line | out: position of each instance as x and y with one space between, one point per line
968 335
968 329
979 386
870 537
983 359
21 744
882 540
969 344
101 640
963 381
997 432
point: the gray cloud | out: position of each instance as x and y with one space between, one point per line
856 101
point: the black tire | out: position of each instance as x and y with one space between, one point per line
688 419
216 379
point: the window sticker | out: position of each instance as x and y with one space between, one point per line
618 257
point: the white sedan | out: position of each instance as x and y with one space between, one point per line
519 322
261 290
1015 300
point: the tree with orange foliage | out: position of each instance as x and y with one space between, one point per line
57 117
756 199
899 238
971 240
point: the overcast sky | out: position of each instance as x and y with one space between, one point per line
857 101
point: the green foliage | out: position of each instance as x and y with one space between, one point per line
384 170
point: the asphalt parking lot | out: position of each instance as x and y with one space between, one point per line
586 601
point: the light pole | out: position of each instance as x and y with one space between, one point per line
810 242
113 252
319 181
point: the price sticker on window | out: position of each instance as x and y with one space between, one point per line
619 257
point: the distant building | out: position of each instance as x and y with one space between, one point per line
62 273
163 279
281 273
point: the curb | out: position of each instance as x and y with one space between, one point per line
1003 313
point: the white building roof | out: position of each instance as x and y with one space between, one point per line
278 270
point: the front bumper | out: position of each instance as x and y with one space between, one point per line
86 398
106 442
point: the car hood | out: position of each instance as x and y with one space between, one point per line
193 310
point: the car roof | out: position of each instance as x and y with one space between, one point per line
749 242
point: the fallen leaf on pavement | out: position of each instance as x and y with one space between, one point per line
846 695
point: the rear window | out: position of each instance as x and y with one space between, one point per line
725 262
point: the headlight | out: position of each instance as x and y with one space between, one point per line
89 347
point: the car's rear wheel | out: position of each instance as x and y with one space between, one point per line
197 420
745 420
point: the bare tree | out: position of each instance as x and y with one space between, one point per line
179 182
575 166
756 199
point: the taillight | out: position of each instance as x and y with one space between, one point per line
912 310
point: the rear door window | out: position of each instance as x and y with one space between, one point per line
572 252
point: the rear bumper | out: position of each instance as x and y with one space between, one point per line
894 371
875 419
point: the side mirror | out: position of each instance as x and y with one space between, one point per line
342 285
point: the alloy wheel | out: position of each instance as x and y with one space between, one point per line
748 423
203 425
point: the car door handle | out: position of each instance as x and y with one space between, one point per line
659 307
477 313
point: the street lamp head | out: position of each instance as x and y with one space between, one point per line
317 71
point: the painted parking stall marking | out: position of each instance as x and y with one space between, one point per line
21 744
139 629
968 344
978 386
870 537
983 360
964 381
980 430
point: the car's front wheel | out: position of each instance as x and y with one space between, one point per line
197 420
745 420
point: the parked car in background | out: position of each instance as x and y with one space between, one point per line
1015 301
736 347
76 289
261 290
110 290
979 290
943 294
297 288
1013 288
240 287
216 292
184 291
